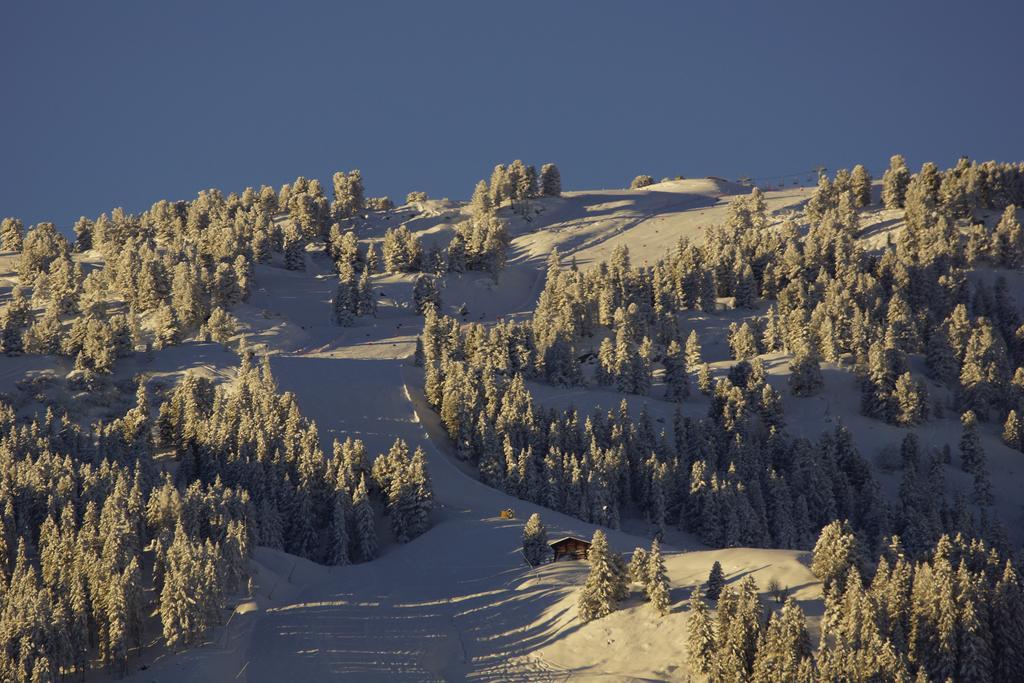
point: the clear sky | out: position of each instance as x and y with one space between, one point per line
110 103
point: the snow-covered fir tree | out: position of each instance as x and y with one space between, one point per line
550 181
657 585
535 541
716 581
605 586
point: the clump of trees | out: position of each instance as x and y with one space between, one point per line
354 297
953 614
96 533
165 273
401 251
609 579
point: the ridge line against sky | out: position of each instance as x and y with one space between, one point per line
122 104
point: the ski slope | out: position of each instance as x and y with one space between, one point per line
458 602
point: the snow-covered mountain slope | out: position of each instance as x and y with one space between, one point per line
459 602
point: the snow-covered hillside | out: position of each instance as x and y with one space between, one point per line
459 602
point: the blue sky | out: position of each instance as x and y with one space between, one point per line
110 103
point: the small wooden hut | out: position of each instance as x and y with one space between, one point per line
569 548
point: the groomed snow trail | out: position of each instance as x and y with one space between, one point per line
454 604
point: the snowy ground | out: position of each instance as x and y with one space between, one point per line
459 602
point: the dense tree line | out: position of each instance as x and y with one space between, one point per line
734 478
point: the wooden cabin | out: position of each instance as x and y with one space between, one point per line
569 548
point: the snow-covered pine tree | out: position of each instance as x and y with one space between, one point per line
708 294
116 614
700 636
44 335
860 186
294 249
338 552
784 654
911 399
972 455
242 268
739 628
421 503
805 374
1008 617
367 303
15 319
742 341
657 586
12 234
400 499
953 196
535 541
637 569
692 350
517 180
605 584
83 234
349 199
677 379
1008 240
550 181
302 535
224 290
716 581
640 368
746 287
1013 431
822 201
606 373
345 304
261 245
942 363
705 379
365 526
835 553
222 326
177 598
561 368
894 183
425 293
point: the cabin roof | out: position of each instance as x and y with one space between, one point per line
563 539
